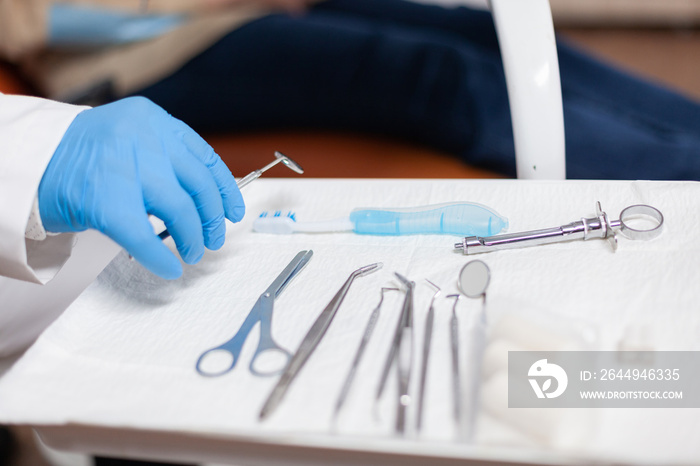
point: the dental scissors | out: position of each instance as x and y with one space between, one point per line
586 228
261 312
405 321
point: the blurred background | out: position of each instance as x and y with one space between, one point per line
657 39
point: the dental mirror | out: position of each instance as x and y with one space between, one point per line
279 157
474 279
289 162
252 176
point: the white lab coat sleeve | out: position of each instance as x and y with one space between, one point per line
30 130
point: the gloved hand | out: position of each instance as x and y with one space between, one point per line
120 162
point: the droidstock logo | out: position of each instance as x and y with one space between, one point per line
543 371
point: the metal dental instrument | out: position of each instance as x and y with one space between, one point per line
474 279
310 341
456 383
371 323
405 356
396 341
401 349
392 352
427 338
404 360
261 312
586 228
279 157
254 175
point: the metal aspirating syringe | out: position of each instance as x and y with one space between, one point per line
586 228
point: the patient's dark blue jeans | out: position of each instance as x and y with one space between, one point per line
429 75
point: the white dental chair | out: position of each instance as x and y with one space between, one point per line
528 46
526 37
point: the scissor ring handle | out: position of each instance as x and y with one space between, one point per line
271 348
201 369
641 233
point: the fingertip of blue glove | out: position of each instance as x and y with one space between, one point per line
192 256
171 273
215 239
168 268
235 213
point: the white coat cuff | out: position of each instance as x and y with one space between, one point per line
35 229
30 130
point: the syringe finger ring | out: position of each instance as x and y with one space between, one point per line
640 210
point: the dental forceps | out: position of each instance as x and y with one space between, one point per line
261 312
586 228
311 340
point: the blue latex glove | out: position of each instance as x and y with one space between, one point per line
119 162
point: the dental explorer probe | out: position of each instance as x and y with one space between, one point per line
371 323
405 356
456 382
405 320
427 338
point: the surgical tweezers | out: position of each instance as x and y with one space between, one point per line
310 341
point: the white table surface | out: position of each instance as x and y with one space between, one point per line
115 375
